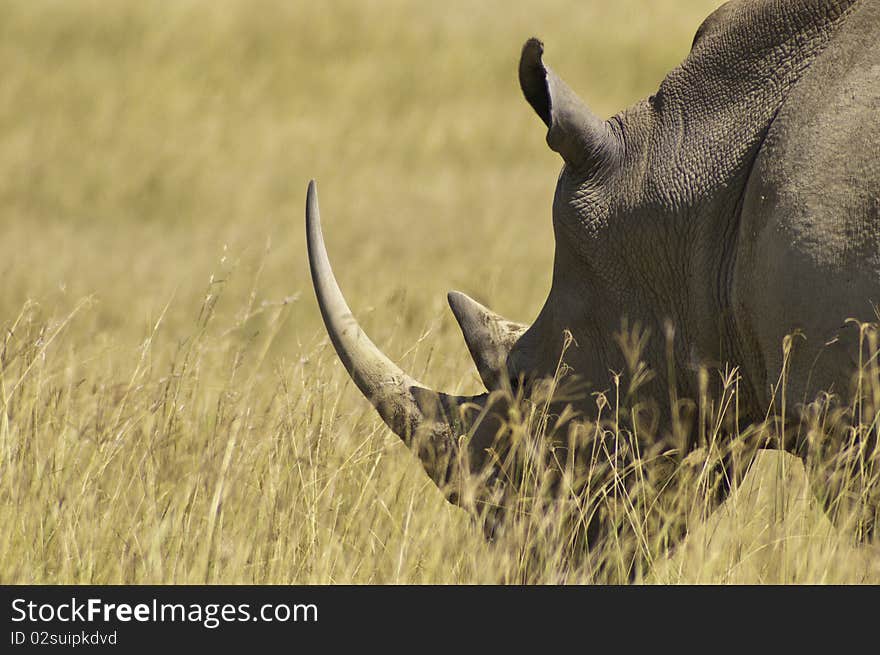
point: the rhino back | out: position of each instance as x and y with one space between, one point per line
808 253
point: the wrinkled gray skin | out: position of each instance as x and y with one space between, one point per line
738 204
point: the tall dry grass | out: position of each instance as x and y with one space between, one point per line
171 408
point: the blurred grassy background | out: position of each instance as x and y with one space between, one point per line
137 140
190 422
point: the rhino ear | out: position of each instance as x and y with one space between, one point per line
583 139
489 337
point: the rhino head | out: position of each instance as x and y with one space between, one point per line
646 216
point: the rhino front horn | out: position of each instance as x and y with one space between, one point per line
430 423
583 139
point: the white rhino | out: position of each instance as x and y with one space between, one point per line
740 203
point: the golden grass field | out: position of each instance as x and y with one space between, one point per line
172 411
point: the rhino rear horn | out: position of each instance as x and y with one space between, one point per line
582 139
489 337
